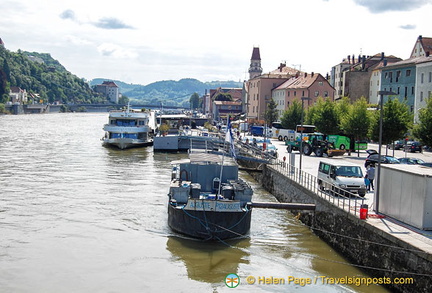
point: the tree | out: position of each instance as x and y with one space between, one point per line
396 121
223 97
292 116
423 130
356 122
123 100
325 117
194 101
343 106
271 114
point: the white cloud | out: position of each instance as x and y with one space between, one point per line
115 51
378 6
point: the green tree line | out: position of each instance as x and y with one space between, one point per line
358 120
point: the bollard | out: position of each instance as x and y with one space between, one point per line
363 211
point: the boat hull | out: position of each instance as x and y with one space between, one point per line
127 143
209 225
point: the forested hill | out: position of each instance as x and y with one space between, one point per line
169 92
40 74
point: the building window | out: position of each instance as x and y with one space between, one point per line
421 96
422 77
326 94
316 94
398 74
430 76
408 72
412 91
295 93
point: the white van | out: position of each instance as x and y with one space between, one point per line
333 175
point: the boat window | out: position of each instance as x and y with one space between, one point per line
216 183
125 122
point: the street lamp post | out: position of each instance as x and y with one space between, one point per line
301 132
378 182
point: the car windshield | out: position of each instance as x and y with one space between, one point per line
392 160
349 171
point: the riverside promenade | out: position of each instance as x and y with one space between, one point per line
381 245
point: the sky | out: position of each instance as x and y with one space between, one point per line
145 41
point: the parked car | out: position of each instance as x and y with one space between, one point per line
397 145
339 177
427 164
373 159
411 161
413 146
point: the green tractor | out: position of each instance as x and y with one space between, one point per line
314 143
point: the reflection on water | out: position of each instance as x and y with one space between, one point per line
209 262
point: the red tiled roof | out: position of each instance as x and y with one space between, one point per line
302 81
15 89
109 83
427 44
233 103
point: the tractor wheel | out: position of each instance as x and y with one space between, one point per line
307 149
319 152
289 148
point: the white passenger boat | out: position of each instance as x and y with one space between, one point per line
129 128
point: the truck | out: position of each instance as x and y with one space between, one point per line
343 142
282 134
261 131
310 141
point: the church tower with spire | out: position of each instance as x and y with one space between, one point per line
255 68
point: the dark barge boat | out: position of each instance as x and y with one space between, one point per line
207 199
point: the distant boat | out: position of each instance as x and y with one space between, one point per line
207 199
129 128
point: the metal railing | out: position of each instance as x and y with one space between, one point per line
347 201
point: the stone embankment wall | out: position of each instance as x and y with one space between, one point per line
378 253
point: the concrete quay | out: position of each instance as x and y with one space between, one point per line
381 245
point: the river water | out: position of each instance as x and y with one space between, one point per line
78 217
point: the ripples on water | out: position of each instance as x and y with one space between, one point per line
78 217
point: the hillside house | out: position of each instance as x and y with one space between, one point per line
18 95
110 90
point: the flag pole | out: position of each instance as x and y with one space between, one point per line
223 154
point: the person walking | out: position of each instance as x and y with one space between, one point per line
371 175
